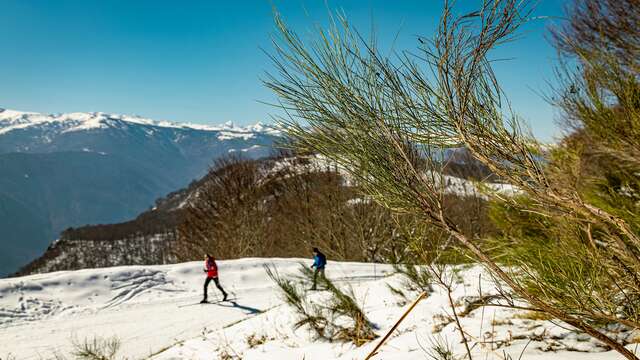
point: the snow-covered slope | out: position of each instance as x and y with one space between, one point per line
454 185
153 310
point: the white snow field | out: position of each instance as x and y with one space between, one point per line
153 310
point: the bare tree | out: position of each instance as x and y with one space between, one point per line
224 216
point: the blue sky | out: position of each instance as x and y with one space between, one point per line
200 61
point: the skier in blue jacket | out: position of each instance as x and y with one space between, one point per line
319 261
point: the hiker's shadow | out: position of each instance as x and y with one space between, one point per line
249 310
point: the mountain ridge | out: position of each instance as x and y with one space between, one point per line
67 170
11 120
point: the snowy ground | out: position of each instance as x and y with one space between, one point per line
153 310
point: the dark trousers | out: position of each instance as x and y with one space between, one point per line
215 280
315 276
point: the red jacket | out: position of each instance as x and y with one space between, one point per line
212 268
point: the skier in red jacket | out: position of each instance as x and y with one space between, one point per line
211 268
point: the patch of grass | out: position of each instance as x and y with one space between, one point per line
255 340
441 321
309 314
399 293
417 277
441 349
340 318
96 348
533 315
227 354
501 322
344 304
471 303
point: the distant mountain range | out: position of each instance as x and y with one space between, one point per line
66 170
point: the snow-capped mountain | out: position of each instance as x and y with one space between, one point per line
43 131
63 170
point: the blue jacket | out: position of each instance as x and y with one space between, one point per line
319 261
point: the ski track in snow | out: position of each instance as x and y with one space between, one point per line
144 306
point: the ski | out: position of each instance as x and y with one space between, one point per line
207 303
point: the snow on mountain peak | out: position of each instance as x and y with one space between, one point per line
11 120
